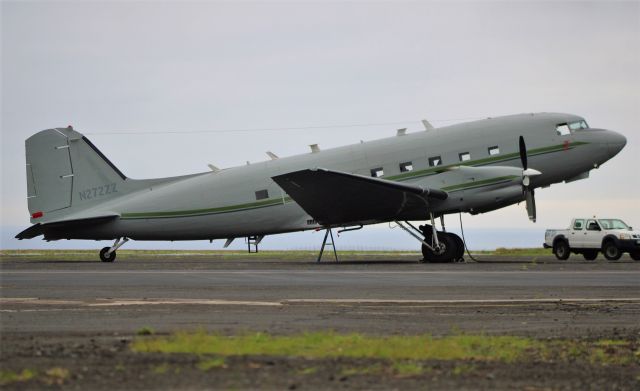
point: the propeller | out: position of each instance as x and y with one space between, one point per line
527 173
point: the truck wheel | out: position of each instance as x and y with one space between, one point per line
635 255
561 250
611 252
590 255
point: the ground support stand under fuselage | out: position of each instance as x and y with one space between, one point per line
253 241
324 244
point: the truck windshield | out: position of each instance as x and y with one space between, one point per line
612 224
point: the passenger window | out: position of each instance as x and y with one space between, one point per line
592 226
494 151
262 194
435 161
406 167
377 172
563 130
578 225
464 156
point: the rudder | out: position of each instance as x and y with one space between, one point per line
66 171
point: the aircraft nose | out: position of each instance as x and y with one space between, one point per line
616 142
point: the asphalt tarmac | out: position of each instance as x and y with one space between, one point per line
502 295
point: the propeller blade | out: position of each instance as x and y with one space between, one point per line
531 205
523 153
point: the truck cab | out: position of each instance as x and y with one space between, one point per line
590 236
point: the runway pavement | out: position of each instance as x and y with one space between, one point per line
382 296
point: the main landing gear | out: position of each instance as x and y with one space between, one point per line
437 246
108 254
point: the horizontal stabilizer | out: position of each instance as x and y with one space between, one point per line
57 229
337 198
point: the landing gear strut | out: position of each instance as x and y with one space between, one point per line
437 246
108 254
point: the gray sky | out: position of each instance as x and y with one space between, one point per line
118 66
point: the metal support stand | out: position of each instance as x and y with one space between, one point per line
442 223
324 244
253 241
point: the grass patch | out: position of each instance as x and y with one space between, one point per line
159 255
9 377
401 351
56 375
145 331
308 371
211 363
407 368
327 345
160 369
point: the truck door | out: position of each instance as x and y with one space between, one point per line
592 235
576 238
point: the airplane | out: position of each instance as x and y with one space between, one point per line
75 192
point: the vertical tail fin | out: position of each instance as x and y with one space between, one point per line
66 172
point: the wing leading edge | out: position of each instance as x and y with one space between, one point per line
337 198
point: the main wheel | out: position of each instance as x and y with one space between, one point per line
107 258
635 255
447 243
459 254
590 255
561 250
611 251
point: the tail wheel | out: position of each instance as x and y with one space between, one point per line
590 255
611 251
110 257
635 255
561 250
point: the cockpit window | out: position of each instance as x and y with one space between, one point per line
568 128
578 125
563 129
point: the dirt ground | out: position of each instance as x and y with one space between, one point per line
70 324
107 363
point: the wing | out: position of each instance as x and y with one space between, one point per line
337 198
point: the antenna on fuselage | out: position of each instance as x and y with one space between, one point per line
213 168
272 155
427 125
401 132
314 148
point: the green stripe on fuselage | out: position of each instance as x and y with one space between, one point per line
401 177
198 212
482 162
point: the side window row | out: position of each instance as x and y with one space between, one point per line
434 161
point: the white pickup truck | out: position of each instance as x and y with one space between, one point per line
589 236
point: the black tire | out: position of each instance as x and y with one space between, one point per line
635 255
611 251
590 255
107 258
447 256
561 250
459 254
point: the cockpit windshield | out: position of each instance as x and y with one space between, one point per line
613 224
570 127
